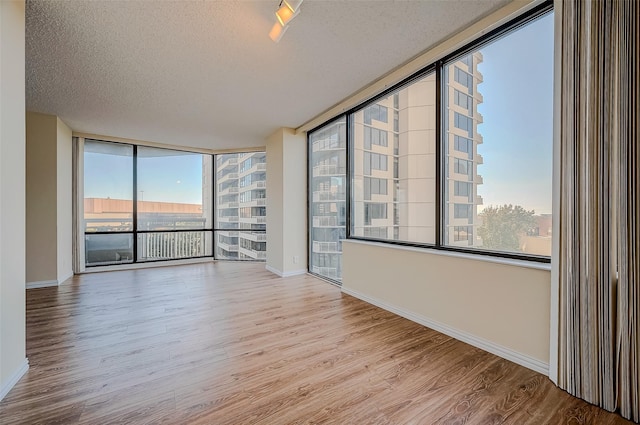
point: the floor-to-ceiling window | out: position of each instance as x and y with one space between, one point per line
327 198
241 212
145 204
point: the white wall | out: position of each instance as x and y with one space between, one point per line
13 362
286 203
502 308
64 206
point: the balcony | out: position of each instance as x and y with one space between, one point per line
479 118
228 219
327 195
254 185
257 167
478 179
326 247
254 220
228 190
330 272
478 138
329 170
479 200
257 255
327 221
229 162
227 247
324 146
253 236
228 177
227 205
479 159
255 203
227 233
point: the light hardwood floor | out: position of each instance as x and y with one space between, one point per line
230 343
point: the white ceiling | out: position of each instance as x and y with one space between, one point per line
205 73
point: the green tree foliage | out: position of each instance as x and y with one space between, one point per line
502 226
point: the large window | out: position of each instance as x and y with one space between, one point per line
327 197
456 157
108 203
241 213
500 141
150 204
394 185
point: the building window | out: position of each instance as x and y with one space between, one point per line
462 166
463 189
463 234
463 144
374 136
463 78
376 112
374 211
463 122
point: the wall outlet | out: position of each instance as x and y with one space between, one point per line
296 259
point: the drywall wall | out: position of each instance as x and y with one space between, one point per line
13 362
49 215
41 198
64 200
494 304
286 203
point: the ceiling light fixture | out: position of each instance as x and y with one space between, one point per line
287 10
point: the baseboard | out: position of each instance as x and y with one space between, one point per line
285 274
65 277
42 284
491 347
13 379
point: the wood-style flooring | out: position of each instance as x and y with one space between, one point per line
230 343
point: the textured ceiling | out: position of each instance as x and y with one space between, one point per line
205 73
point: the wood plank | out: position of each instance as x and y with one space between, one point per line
230 343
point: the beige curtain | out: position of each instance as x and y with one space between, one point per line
599 335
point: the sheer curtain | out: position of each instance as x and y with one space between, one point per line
599 261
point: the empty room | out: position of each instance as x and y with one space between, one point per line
319 211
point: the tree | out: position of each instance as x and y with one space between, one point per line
502 226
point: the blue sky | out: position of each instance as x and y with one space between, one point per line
518 117
165 178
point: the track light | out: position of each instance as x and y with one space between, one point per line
277 31
287 10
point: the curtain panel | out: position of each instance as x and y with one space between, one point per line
599 339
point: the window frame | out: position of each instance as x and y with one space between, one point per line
438 66
135 232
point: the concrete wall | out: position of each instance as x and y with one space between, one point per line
286 203
13 361
499 305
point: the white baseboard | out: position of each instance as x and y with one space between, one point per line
65 276
493 348
13 379
285 274
42 284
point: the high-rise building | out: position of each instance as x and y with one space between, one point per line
394 168
241 213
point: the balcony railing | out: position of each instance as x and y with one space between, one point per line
328 170
319 221
228 162
253 236
160 246
227 177
330 272
258 255
322 195
228 190
326 247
